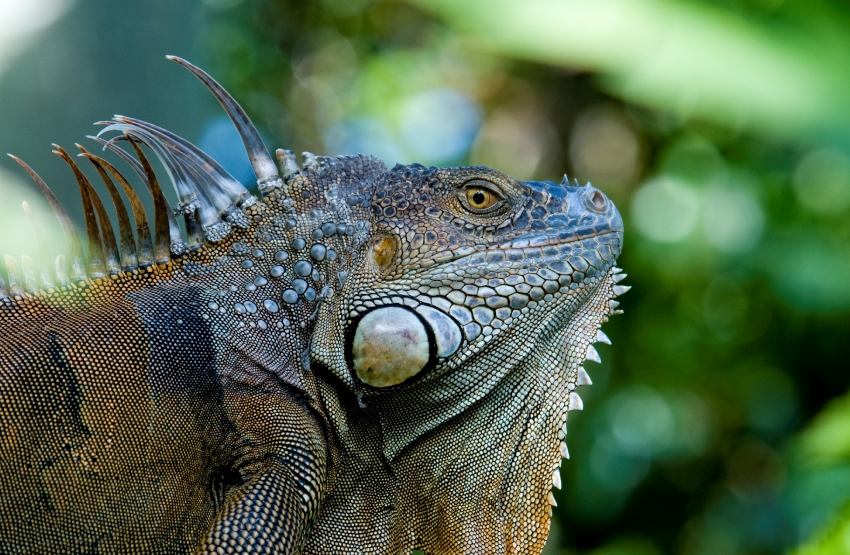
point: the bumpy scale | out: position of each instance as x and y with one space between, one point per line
363 361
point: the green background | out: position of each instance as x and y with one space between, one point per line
719 420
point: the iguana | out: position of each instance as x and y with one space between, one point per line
363 360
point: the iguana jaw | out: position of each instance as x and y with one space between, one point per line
565 281
443 260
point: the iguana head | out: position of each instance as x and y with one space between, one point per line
464 266
475 289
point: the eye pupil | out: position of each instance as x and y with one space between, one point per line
479 198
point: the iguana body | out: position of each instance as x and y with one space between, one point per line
364 361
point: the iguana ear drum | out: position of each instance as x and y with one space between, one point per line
383 251
391 345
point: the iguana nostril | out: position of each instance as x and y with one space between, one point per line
598 201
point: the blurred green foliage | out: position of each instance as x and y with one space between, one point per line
719 422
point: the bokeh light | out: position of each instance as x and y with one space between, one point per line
665 210
604 147
822 181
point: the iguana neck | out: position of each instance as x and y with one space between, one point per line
481 477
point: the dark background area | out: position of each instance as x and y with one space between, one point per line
719 420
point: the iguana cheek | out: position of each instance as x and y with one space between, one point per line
390 345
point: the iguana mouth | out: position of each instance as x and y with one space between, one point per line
544 249
560 238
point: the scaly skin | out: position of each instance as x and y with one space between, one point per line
190 406
462 460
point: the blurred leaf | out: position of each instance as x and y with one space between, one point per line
827 439
682 56
821 453
834 539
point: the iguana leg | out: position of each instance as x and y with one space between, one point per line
266 515
281 457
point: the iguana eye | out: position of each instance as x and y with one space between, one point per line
480 196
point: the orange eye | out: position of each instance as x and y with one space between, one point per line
480 198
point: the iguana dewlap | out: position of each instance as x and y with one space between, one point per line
362 361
